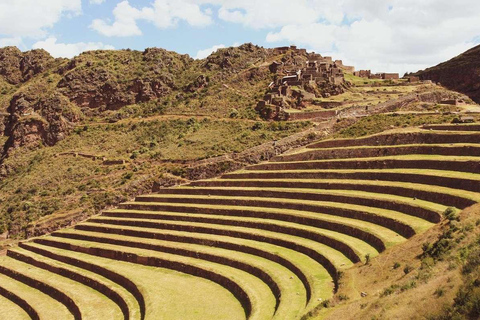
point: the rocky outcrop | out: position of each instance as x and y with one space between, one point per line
109 81
235 58
98 88
17 67
32 120
461 73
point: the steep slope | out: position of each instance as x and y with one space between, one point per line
276 240
461 73
114 124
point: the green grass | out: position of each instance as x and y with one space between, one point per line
290 286
414 186
78 187
263 302
381 122
353 193
432 157
317 277
366 147
11 309
164 289
337 258
431 172
128 298
92 304
359 246
46 306
417 224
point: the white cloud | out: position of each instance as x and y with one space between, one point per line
4 42
31 18
201 54
163 14
392 35
68 50
125 23
97 1
277 13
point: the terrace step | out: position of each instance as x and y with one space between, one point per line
329 257
442 178
254 295
341 242
405 225
36 255
309 154
452 127
423 209
440 195
460 164
30 277
313 276
287 287
126 287
46 306
160 289
82 301
13 305
423 137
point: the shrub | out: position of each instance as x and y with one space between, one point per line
439 292
389 290
396 265
408 269
233 113
257 126
367 258
134 155
450 213
343 297
409 285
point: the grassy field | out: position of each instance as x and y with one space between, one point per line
164 290
13 310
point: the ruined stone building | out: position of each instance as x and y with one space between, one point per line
368 74
300 78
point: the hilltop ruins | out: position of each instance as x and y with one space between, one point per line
300 77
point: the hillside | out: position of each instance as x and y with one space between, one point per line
461 73
114 124
146 185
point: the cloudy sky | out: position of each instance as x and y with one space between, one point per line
382 35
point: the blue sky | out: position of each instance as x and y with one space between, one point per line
382 35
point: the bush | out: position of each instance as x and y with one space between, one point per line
439 292
343 297
450 213
396 265
257 126
233 113
388 291
367 258
408 269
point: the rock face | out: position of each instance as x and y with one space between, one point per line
17 67
461 73
112 80
32 120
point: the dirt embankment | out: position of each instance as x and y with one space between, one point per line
323 154
401 138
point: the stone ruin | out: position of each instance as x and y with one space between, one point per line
299 78
383 75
